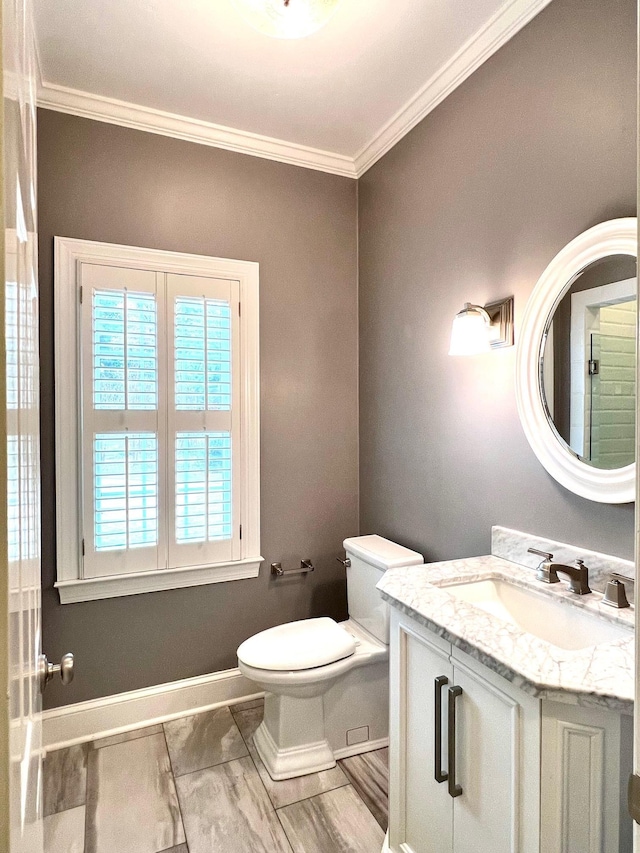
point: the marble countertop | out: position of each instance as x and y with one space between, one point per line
602 674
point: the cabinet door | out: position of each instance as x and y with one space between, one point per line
420 808
586 762
491 766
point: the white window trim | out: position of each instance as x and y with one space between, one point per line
71 585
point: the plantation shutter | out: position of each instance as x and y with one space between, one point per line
123 441
203 423
160 367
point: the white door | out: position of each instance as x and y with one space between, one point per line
636 716
636 707
19 468
636 732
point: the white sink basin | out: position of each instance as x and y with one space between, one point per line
560 624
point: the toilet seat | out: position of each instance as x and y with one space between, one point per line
297 646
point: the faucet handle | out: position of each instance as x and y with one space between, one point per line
548 557
545 572
624 578
615 594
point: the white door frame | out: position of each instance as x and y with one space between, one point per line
636 711
21 824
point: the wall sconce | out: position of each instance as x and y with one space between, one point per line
476 329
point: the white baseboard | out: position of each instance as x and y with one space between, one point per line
359 748
110 715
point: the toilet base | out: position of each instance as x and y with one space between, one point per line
298 747
295 761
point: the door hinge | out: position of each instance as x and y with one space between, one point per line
81 294
83 547
241 531
239 309
633 797
594 367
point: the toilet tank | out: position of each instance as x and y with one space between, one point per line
370 557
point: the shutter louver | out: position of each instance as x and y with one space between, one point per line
202 354
126 490
203 487
124 350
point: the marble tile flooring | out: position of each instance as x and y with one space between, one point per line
197 785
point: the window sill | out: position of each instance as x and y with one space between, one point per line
93 589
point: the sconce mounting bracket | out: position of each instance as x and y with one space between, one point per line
501 328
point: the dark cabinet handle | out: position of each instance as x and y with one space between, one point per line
454 789
440 682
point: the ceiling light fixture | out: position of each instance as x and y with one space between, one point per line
286 19
476 329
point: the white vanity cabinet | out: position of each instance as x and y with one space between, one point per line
536 776
496 752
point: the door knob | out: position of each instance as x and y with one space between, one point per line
47 670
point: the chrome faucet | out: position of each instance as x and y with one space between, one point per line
547 572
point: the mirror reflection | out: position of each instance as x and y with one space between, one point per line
587 367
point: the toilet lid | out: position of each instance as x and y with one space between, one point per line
297 645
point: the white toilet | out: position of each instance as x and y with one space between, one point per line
327 684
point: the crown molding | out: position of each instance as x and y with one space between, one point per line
112 111
506 22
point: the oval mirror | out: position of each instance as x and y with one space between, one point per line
576 364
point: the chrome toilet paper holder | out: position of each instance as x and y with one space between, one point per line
306 566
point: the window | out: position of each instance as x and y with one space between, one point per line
157 436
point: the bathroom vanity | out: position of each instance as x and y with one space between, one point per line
511 704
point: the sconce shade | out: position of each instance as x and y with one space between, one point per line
470 331
286 19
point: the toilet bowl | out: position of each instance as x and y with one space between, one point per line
326 683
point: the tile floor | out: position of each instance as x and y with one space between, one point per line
197 785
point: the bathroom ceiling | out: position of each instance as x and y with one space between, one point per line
336 100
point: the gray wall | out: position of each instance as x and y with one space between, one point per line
100 182
535 147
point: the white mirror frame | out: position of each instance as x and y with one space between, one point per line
615 237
